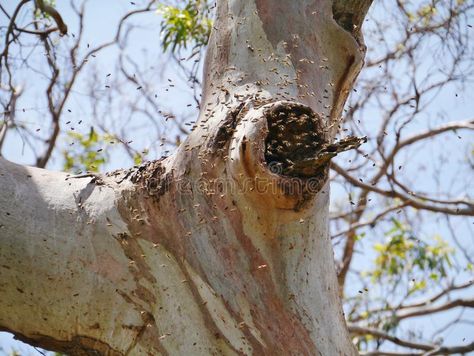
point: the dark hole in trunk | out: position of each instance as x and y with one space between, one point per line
295 133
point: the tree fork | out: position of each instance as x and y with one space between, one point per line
221 248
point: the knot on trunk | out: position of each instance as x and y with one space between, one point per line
280 152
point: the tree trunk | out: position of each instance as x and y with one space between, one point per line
223 247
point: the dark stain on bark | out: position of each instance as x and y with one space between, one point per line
343 86
350 15
152 178
148 334
225 131
77 346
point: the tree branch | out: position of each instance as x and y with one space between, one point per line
51 11
426 302
410 201
359 330
405 314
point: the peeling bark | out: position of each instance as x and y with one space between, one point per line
222 248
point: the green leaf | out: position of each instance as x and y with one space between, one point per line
181 26
404 255
88 153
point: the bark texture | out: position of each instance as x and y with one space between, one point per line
222 248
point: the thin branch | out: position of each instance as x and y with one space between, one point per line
426 302
434 309
51 11
444 350
369 222
451 350
359 330
411 201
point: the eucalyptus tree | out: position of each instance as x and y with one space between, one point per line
224 246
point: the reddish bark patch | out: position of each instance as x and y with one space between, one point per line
280 329
108 267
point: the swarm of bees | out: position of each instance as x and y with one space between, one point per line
294 134
297 143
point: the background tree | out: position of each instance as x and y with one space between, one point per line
401 198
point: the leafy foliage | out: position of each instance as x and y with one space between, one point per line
404 255
183 26
88 154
